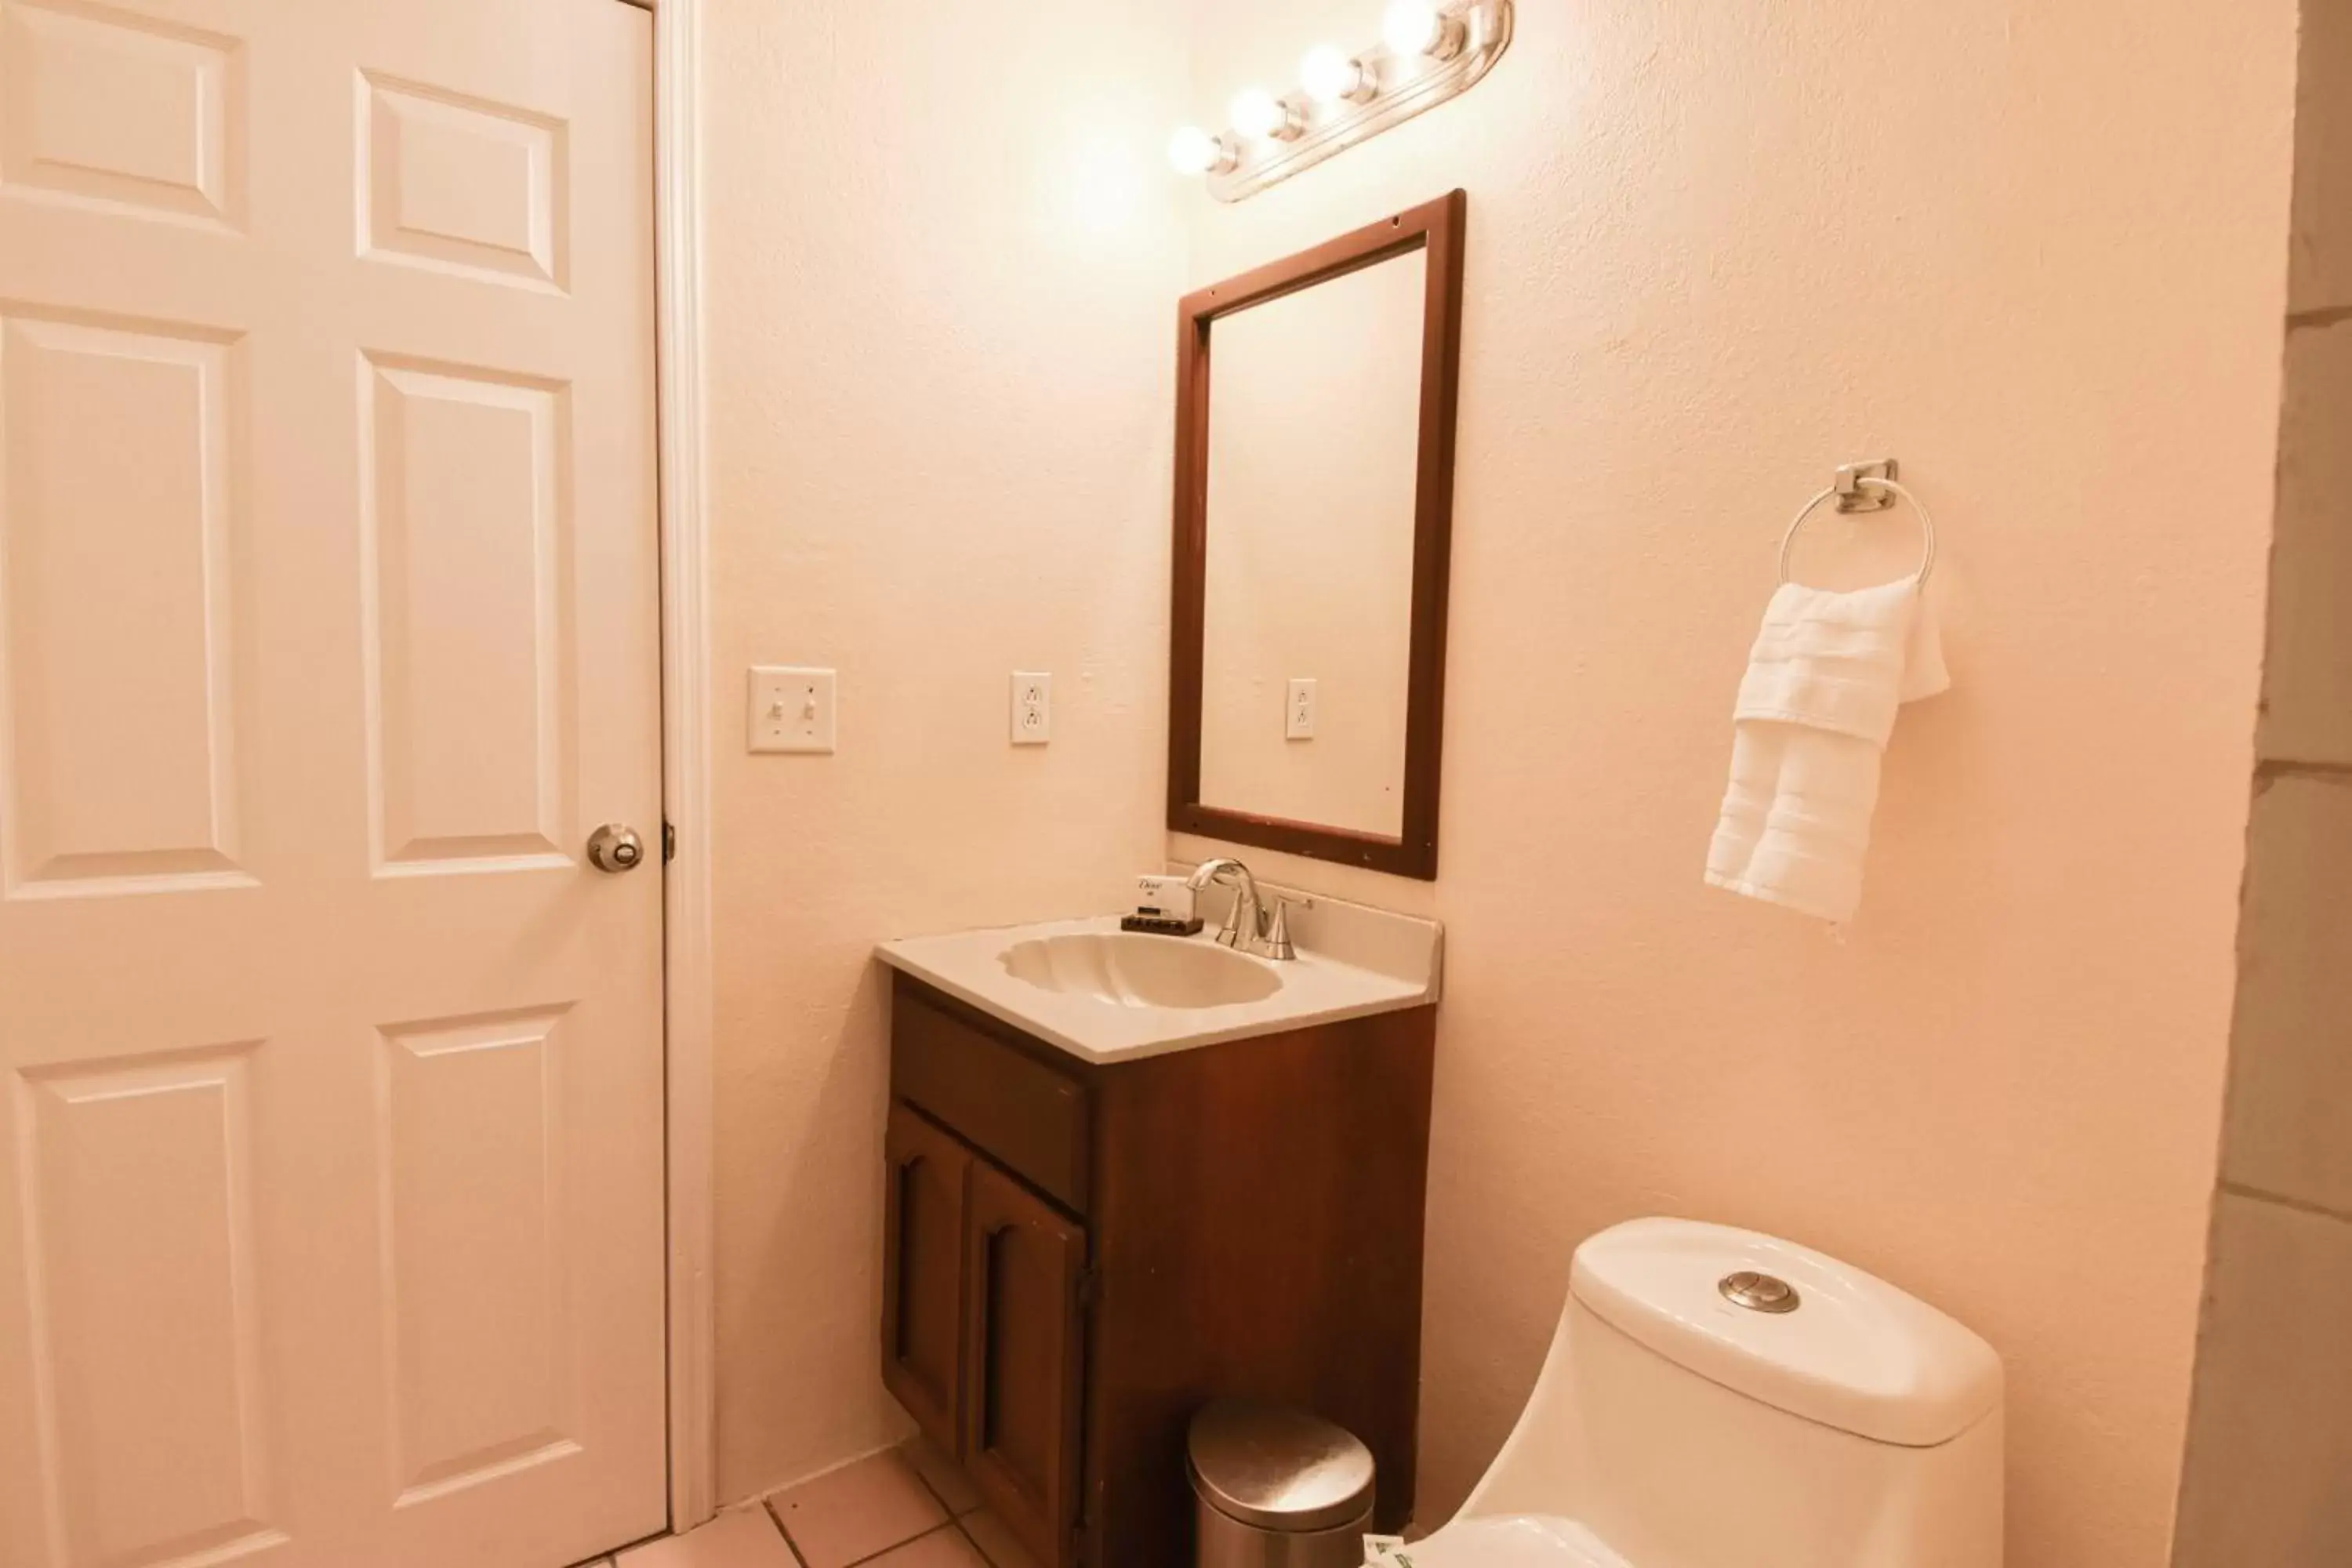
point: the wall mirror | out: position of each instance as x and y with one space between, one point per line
1314 518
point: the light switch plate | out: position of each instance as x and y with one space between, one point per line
1298 711
1033 708
792 709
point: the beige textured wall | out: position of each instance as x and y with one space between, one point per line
1712 252
2037 252
943 257
2268 1483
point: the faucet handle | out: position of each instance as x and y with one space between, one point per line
1235 930
1277 931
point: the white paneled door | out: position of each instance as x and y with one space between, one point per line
330 1069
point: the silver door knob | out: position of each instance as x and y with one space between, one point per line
616 848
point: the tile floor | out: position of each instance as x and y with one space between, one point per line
907 1508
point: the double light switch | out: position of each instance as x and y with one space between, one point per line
792 709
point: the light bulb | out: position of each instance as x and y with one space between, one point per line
1411 27
1418 27
1258 112
1192 151
1329 74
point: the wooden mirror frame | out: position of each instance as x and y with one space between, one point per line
1434 227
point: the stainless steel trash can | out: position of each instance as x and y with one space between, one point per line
1278 1489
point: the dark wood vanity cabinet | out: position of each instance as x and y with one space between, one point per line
1077 1256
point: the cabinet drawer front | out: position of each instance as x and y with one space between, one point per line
1003 1101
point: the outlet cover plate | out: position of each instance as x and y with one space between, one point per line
1298 710
1033 708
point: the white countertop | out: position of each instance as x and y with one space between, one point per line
1352 962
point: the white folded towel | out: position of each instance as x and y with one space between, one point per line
1815 710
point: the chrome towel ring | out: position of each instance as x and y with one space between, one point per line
1851 484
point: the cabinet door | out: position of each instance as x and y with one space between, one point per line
923 1273
1026 1264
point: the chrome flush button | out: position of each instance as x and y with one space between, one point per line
1760 1293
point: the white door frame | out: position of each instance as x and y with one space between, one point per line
685 754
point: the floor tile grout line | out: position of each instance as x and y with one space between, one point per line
955 1523
768 1506
950 1519
924 1481
955 1519
902 1546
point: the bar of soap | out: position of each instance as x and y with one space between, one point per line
1159 926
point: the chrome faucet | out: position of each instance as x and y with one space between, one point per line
1252 926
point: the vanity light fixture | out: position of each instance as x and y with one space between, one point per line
1192 151
1333 76
1431 50
1258 113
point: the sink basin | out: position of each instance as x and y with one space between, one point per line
1108 995
1133 969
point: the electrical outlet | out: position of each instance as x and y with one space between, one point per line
792 709
1033 708
1298 711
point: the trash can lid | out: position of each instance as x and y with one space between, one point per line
1278 1469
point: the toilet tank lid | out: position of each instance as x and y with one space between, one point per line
1849 1351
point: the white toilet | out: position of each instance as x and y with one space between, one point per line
1715 1398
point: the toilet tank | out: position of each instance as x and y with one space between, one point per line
1717 1398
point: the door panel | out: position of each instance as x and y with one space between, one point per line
115 109
462 184
1023 1360
114 447
473 1255
143 1307
467 527
923 1273
331 1160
